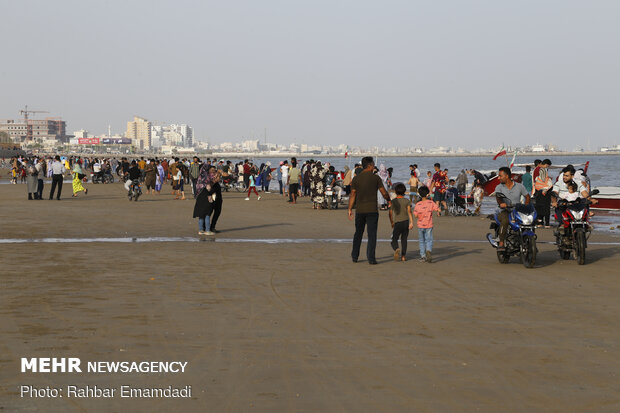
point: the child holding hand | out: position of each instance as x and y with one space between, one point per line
424 213
402 221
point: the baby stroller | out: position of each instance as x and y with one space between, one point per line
456 204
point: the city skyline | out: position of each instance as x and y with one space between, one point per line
450 74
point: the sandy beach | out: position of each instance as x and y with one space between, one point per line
290 326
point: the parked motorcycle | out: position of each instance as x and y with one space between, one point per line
331 197
575 229
135 190
230 183
521 236
102 178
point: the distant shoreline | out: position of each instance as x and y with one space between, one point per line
306 155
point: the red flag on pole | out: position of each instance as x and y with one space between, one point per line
346 155
501 153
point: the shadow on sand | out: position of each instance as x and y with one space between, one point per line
223 231
439 254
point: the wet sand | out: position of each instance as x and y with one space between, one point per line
299 327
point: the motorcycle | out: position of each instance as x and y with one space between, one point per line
239 186
102 178
230 182
331 197
521 236
575 229
135 190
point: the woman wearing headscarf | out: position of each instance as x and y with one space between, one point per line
317 185
49 167
78 175
207 192
385 177
265 175
150 176
31 179
348 177
542 186
307 179
159 177
217 201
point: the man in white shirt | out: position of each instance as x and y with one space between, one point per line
560 189
284 169
97 168
58 170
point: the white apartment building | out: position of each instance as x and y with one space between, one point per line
172 135
250 145
81 134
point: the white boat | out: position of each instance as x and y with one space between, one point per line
608 198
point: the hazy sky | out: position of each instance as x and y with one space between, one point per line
406 73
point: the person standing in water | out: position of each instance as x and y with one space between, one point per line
414 183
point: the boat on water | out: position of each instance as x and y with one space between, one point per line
608 198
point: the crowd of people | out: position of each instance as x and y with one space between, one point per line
368 188
292 179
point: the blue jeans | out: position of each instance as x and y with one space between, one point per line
425 236
204 223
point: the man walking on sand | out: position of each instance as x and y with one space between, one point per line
363 196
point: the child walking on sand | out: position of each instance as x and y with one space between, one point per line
252 184
402 221
424 213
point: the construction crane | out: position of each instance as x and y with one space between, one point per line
25 112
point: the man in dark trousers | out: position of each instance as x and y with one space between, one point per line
58 170
217 207
363 196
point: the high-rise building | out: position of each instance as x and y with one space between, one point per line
173 135
157 136
139 131
184 135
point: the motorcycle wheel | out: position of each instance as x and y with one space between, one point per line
528 253
580 247
503 257
564 254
